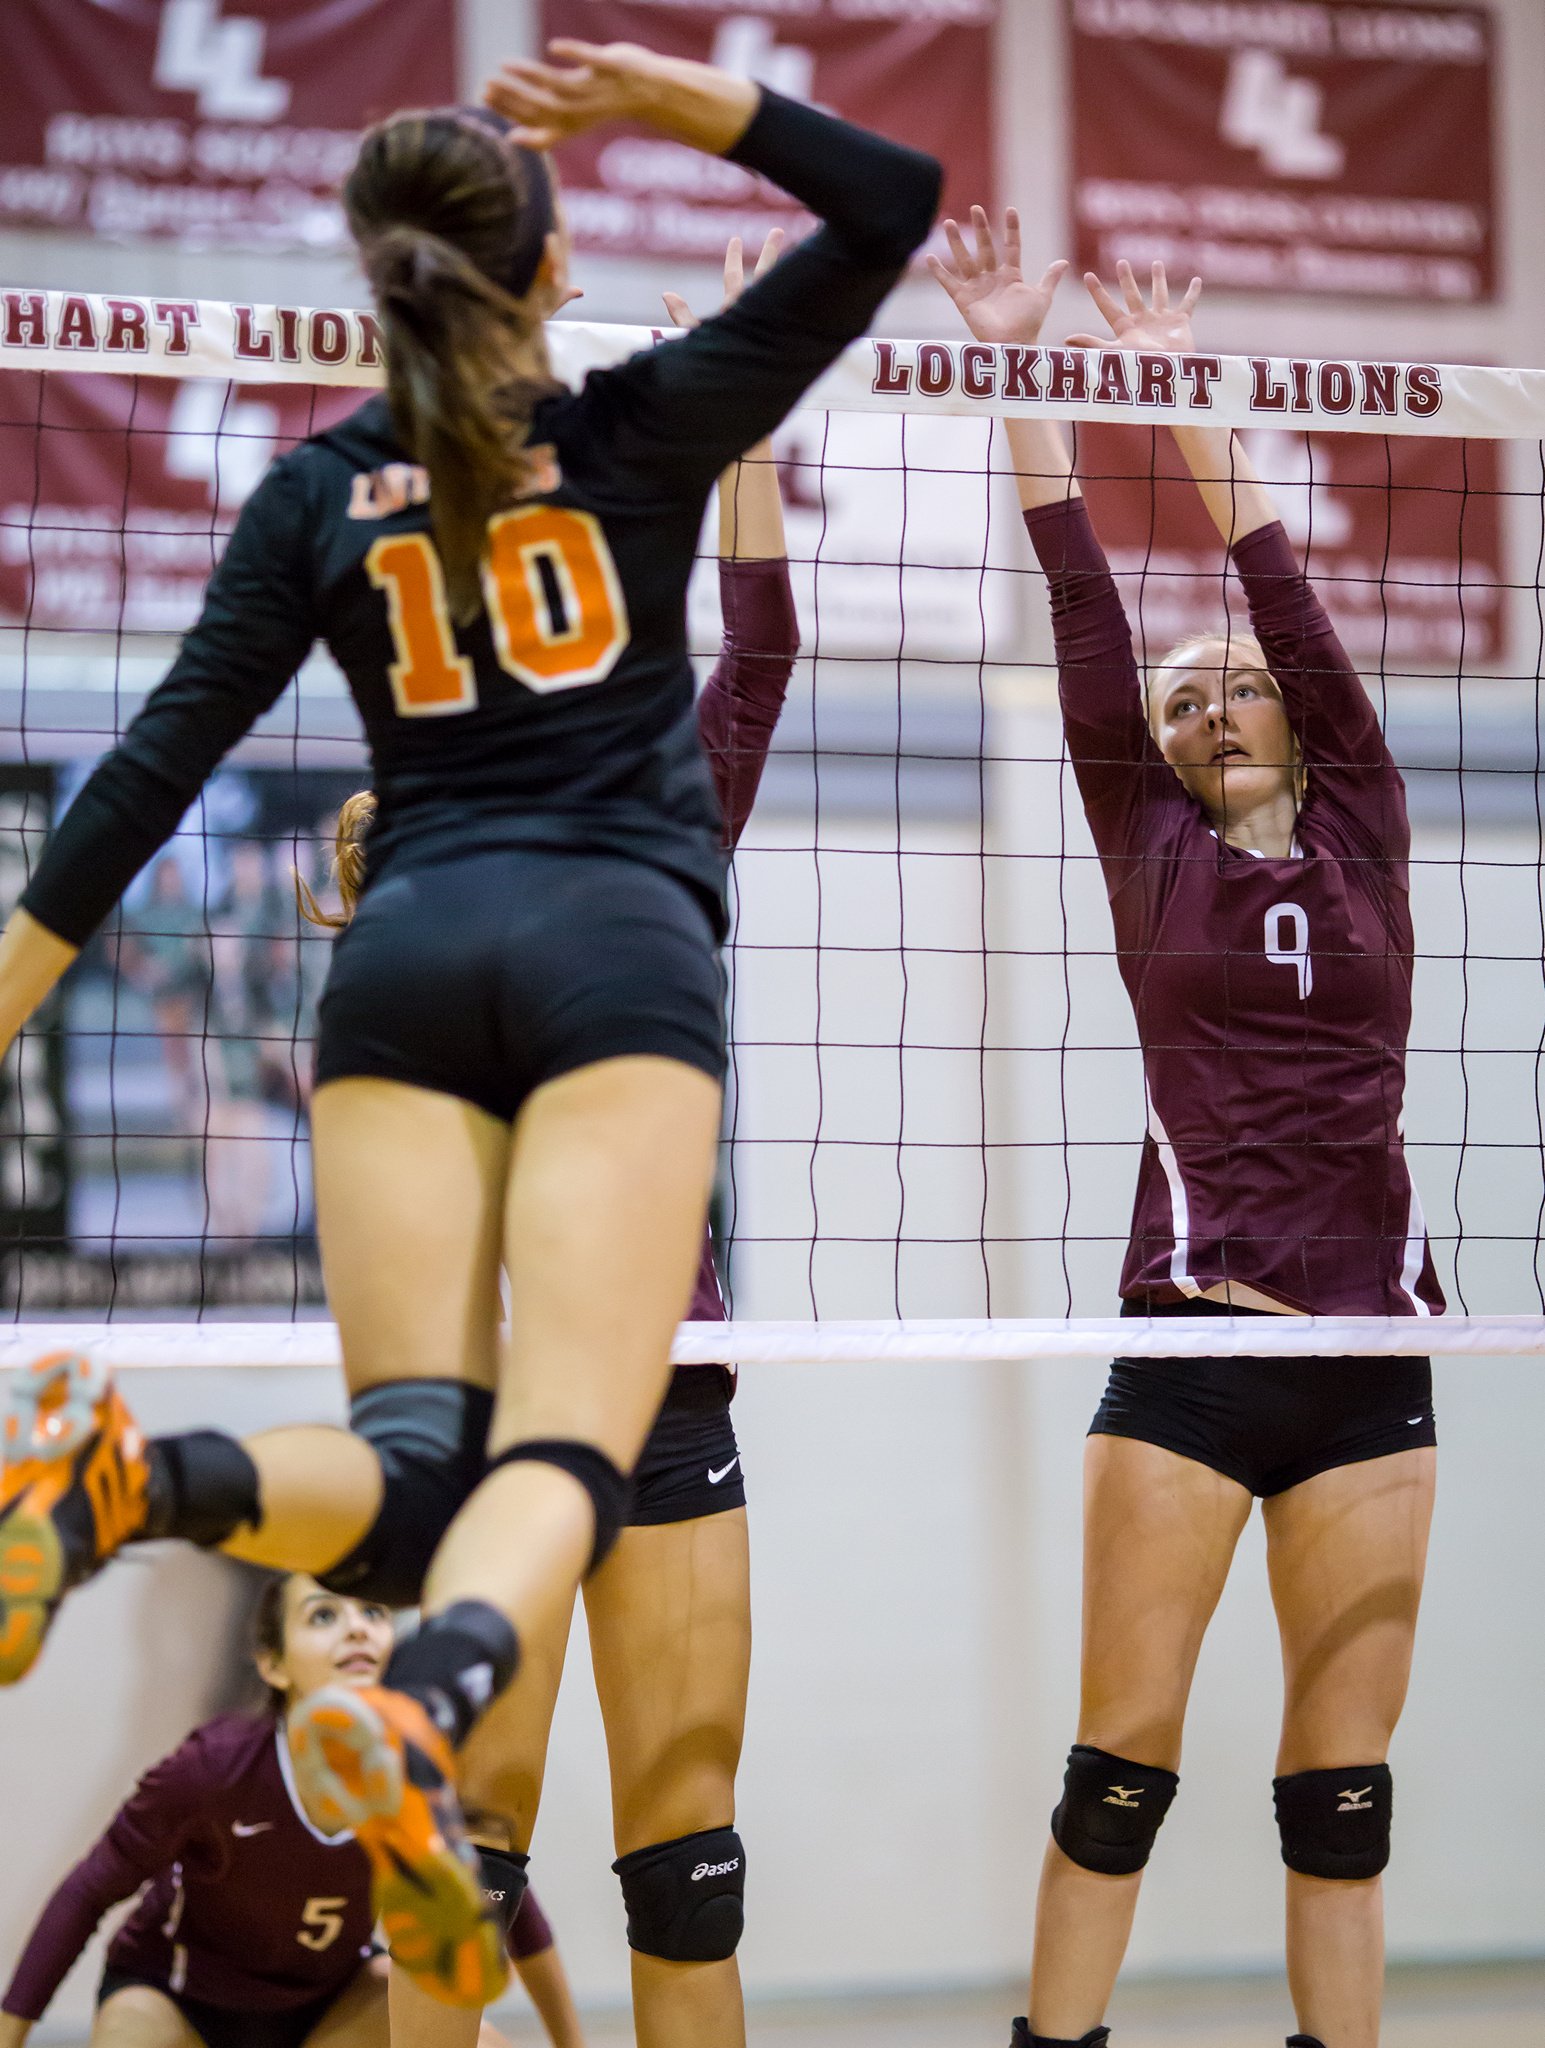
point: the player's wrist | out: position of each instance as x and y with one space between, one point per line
693 103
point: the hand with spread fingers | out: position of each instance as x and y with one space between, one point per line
994 298
586 84
734 275
1134 323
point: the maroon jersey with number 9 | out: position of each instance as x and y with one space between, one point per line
1272 997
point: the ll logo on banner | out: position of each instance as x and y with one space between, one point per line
222 61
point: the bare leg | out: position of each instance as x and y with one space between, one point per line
419 2021
670 1637
141 2017
545 1982
1159 1537
408 1186
608 1193
1347 1552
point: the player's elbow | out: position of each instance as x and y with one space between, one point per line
905 211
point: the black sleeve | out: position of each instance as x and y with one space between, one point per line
255 630
690 406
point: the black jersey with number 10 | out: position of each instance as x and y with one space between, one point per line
562 715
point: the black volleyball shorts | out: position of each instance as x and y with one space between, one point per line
487 974
1269 1423
690 1466
219 2026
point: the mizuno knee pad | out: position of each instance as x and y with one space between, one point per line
1335 1823
686 1899
1111 1811
431 1437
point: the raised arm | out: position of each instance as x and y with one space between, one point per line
1097 679
993 297
739 706
144 1837
690 406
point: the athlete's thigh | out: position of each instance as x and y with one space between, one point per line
409 1190
670 1639
357 2017
139 2016
505 1759
608 1197
1159 1537
1347 1552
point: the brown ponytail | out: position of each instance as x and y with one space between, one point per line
450 221
354 818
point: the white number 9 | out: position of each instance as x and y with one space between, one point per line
1287 943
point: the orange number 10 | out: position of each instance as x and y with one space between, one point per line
554 601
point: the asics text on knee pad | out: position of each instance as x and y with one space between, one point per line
1335 1823
686 1899
501 1875
431 1437
610 1489
1111 1810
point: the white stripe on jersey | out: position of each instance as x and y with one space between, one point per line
1179 1207
1416 1246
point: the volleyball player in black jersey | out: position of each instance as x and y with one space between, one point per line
520 1044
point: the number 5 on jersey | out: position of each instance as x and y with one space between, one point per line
554 601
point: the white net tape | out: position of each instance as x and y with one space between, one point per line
156 1346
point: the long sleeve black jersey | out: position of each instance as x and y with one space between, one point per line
562 716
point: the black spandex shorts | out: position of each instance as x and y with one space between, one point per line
220 2026
485 975
691 1464
1269 1423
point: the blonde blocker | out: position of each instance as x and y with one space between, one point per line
443 209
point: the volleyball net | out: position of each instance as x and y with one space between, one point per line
936 1104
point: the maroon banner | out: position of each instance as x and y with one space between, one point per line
118 492
1323 146
1402 537
218 124
911 69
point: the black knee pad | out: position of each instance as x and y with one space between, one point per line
502 1875
686 1899
1335 1823
610 1489
431 1437
1023 2038
1111 1811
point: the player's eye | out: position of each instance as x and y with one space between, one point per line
323 1616
375 1613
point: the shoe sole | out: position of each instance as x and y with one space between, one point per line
351 1773
31 1559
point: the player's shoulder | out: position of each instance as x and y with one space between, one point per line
221 1752
364 437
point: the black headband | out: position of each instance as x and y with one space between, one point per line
538 213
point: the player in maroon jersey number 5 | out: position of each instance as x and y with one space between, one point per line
254 1926
1252 830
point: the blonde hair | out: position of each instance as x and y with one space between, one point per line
355 814
1241 649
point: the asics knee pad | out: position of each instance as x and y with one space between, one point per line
1111 1811
686 1899
502 1877
431 1437
610 1489
1335 1823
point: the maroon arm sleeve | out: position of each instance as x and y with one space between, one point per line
739 705
1097 680
530 1934
145 1837
1338 729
